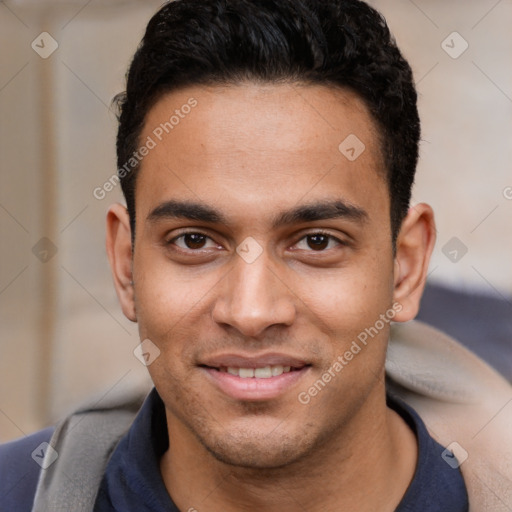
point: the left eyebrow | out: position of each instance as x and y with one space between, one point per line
321 210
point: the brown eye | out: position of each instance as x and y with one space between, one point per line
317 242
192 241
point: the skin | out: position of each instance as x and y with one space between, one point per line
252 151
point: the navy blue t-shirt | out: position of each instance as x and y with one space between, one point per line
132 480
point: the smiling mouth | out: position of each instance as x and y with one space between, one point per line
265 372
255 380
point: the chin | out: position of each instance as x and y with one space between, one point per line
265 448
255 455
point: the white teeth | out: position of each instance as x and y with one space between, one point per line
263 373
246 373
277 370
260 373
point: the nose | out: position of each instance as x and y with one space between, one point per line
252 297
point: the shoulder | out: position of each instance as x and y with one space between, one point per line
437 483
83 443
464 403
19 470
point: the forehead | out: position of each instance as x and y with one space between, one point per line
258 116
241 143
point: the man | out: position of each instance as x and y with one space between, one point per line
266 151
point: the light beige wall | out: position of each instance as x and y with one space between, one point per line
63 334
465 171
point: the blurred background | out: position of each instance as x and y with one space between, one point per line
63 336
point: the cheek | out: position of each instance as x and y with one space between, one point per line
169 299
350 299
171 309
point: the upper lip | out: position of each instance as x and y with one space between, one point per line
247 361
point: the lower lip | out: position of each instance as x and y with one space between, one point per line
254 388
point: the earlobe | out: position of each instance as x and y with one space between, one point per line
119 250
414 247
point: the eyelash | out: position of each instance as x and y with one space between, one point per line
319 232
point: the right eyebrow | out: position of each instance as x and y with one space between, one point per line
186 210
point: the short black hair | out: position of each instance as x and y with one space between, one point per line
338 43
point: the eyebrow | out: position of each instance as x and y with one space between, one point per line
320 210
186 210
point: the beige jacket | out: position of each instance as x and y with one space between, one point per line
461 400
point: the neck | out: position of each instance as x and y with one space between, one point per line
367 465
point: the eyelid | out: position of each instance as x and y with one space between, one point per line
319 231
314 231
322 232
180 234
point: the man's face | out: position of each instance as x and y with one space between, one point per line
254 286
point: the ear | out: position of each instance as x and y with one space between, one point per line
119 250
414 247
